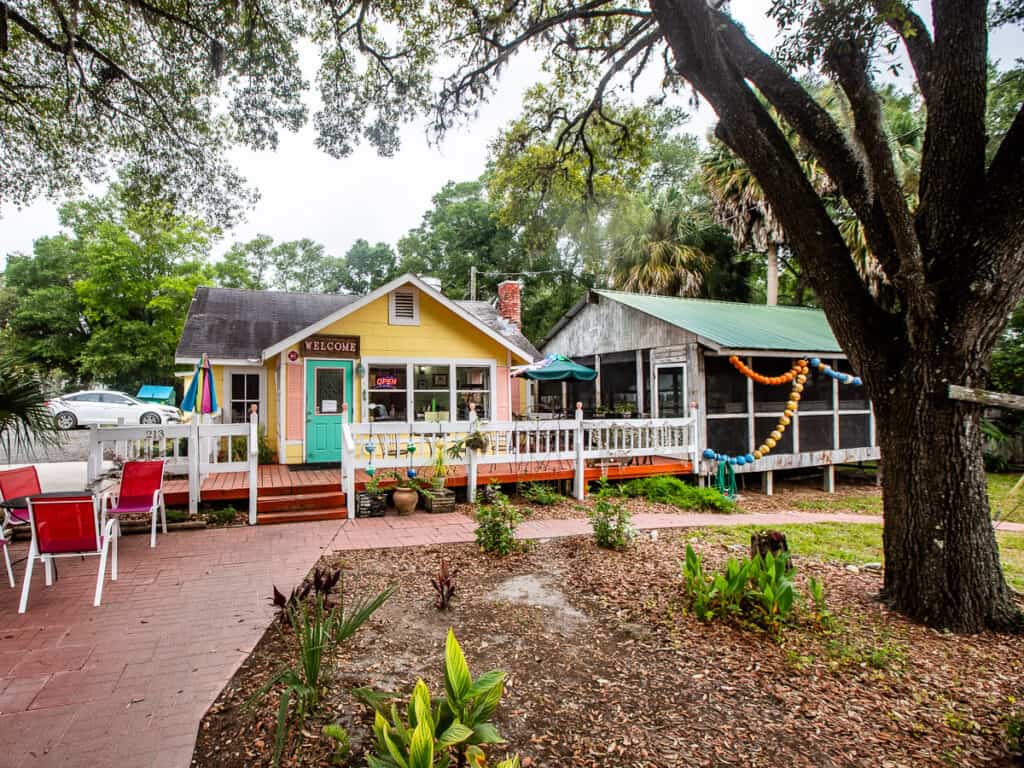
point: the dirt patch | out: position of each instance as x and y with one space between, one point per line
642 684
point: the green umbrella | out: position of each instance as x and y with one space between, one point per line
555 368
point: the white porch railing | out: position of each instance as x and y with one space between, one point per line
385 444
195 449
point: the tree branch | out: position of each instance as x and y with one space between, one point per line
953 157
850 64
818 131
916 39
692 30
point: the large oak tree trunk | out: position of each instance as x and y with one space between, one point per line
941 556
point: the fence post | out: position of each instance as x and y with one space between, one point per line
471 458
348 464
254 469
579 486
93 467
695 447
194 481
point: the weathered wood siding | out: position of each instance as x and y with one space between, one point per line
609 326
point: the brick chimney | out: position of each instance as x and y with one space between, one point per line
509 301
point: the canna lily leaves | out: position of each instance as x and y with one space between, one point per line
456 733
457 680
421 748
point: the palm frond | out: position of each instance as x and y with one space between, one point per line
25 422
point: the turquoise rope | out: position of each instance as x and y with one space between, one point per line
725 482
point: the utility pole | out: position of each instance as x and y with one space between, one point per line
472 283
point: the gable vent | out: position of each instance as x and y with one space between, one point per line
404 307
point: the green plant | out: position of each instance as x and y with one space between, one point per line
496 526
440 466
221 515
266 453
1013 723
773 592
25 421
177 515
671 490
995 438
431 730
540 493
697 586
816 591
476 440
317 633
611 523
760 589
342 747
372 486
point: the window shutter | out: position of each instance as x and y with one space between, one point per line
404 307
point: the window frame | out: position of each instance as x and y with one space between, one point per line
410 392
229 394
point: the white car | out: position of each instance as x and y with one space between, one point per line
82 409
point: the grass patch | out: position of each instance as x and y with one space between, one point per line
1004 506
858 543
671 490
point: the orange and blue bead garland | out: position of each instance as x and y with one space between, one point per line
798 374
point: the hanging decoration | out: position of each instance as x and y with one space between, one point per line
410 448
798 375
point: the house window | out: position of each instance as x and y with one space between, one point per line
387 393
245 392
432 392
404 307
472 385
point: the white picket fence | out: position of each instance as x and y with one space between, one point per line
385 445
197 449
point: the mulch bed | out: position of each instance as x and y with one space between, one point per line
572 509
607 669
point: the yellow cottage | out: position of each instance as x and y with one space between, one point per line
404 352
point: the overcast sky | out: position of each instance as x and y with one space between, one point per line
305 193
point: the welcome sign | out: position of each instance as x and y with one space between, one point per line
330 346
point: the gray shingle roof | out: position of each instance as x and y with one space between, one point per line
235 324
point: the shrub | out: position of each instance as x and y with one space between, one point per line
611 523
496 526
431 729
671 490
221 515
341 745
540 493
177 515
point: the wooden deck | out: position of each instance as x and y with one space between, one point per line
277 480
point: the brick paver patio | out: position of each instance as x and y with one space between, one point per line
127 683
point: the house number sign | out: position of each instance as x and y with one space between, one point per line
330 346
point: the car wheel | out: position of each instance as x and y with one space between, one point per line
149 418
66 420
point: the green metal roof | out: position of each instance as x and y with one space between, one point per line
732 325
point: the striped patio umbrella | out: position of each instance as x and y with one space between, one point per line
201 396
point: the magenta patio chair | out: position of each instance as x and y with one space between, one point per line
68 527
141 492
14 483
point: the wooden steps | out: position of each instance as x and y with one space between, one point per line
313 503
301 516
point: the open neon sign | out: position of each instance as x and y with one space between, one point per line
386 382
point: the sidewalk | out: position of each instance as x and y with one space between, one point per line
126 684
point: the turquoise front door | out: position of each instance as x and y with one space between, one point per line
328 387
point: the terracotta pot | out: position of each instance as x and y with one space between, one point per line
405 500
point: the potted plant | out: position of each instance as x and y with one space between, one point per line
475 440
371 501
406 492
440 466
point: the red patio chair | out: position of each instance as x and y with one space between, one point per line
14 483
68 527
141 492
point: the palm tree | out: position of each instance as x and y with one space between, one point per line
25 422
656 249
740 206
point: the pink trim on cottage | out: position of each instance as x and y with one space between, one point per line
296 418
504 413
